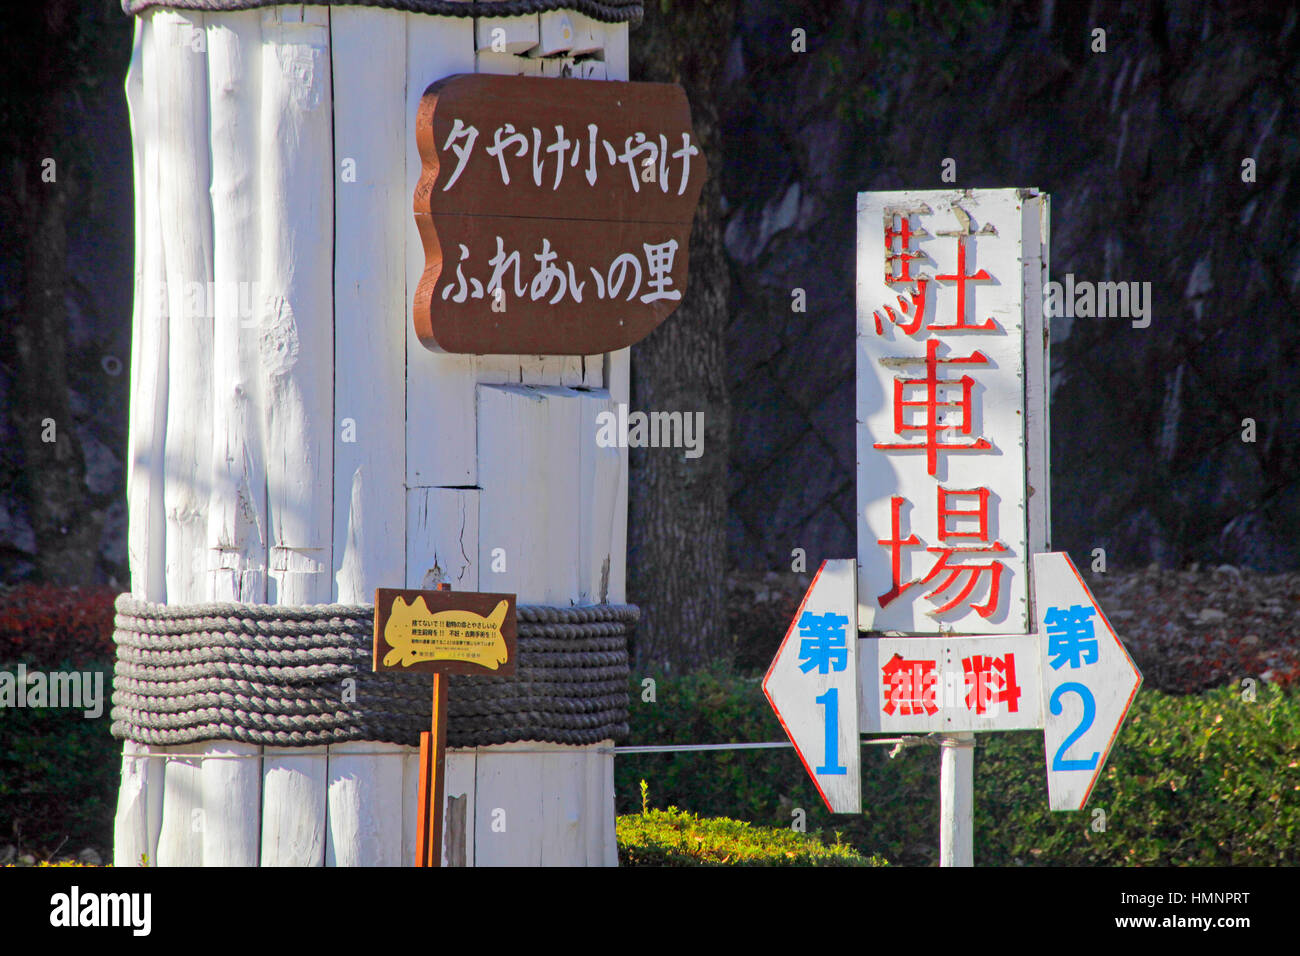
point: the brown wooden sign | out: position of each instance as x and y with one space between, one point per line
555 213
444 632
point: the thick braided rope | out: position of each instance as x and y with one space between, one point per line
266 674
607 11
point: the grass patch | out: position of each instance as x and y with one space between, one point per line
675 837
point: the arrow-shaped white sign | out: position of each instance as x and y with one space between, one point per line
1089 681
812 685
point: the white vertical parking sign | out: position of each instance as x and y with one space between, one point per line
964 619
948 296
813 686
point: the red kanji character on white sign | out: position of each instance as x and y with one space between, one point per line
993 568
896 545
904 256
961 278
991 680
909 686
934 407
915 311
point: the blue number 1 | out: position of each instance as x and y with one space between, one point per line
832 767
1059 760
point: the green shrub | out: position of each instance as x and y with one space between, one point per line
674 837
1206 779
1198 779
58 770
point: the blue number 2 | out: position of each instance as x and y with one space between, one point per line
1060 762
832 767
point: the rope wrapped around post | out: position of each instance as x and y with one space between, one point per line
301 676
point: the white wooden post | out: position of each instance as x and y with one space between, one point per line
291 440
957 800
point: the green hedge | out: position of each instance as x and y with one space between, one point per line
59 770
674 837
1201 779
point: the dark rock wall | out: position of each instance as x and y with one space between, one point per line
1141 147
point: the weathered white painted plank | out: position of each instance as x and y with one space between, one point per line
180 839
458 807
410 804
508 809
177 69
571 371
1035 254
615 39
296 190
442 538
146 535
237 542
558 550
439 386
296 193
588 35
593 807
592 70
368 48
498 369
559 66
231 799
180 75
365 805
512 501
528 506
369 65
134 839
532 369
563 804
485 61
566 32
131 823
458 824
600 475
507 34
293 809
609 838
618 376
